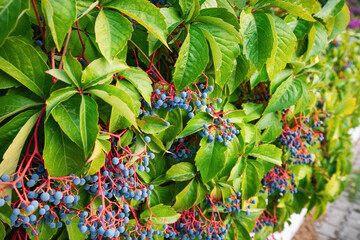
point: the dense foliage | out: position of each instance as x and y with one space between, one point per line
189 119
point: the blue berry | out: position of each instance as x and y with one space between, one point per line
45 196
147 139
38 42
30 209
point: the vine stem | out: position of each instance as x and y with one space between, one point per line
52 54
38 19
156 70
65 48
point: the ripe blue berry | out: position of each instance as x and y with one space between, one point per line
147 139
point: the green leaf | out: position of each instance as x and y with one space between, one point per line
58 97
7 81
253 111
209 159
176 125
45 232
60 75
302 28
340 22
78 118
181 172
186 6
97 158
187 197
100 71
304 101
222 38
285 95
155 144
267 152
140 80
241 231
74 231
201 192
223 14
232 155
259 37
91 49
59 16
251 178
61 156
112 32
11 128
73 69
192 60
286 41
117 120
196 124
317 42
12 104
83 7
300 8
172 19
5 213
88 122
11 12
239 73
30 71
271 123
280 78
145 13
333 187
116 98
160 195
190 9
236 171
331 9
160 215
248 131
11 156
258 77
152 125
2 231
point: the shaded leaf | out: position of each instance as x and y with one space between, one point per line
30 71
61 156
11 12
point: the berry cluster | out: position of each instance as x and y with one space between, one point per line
220 130
166 97
183 148
296 135
54 200
278 179
265 219
260 94
193 223
233 204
